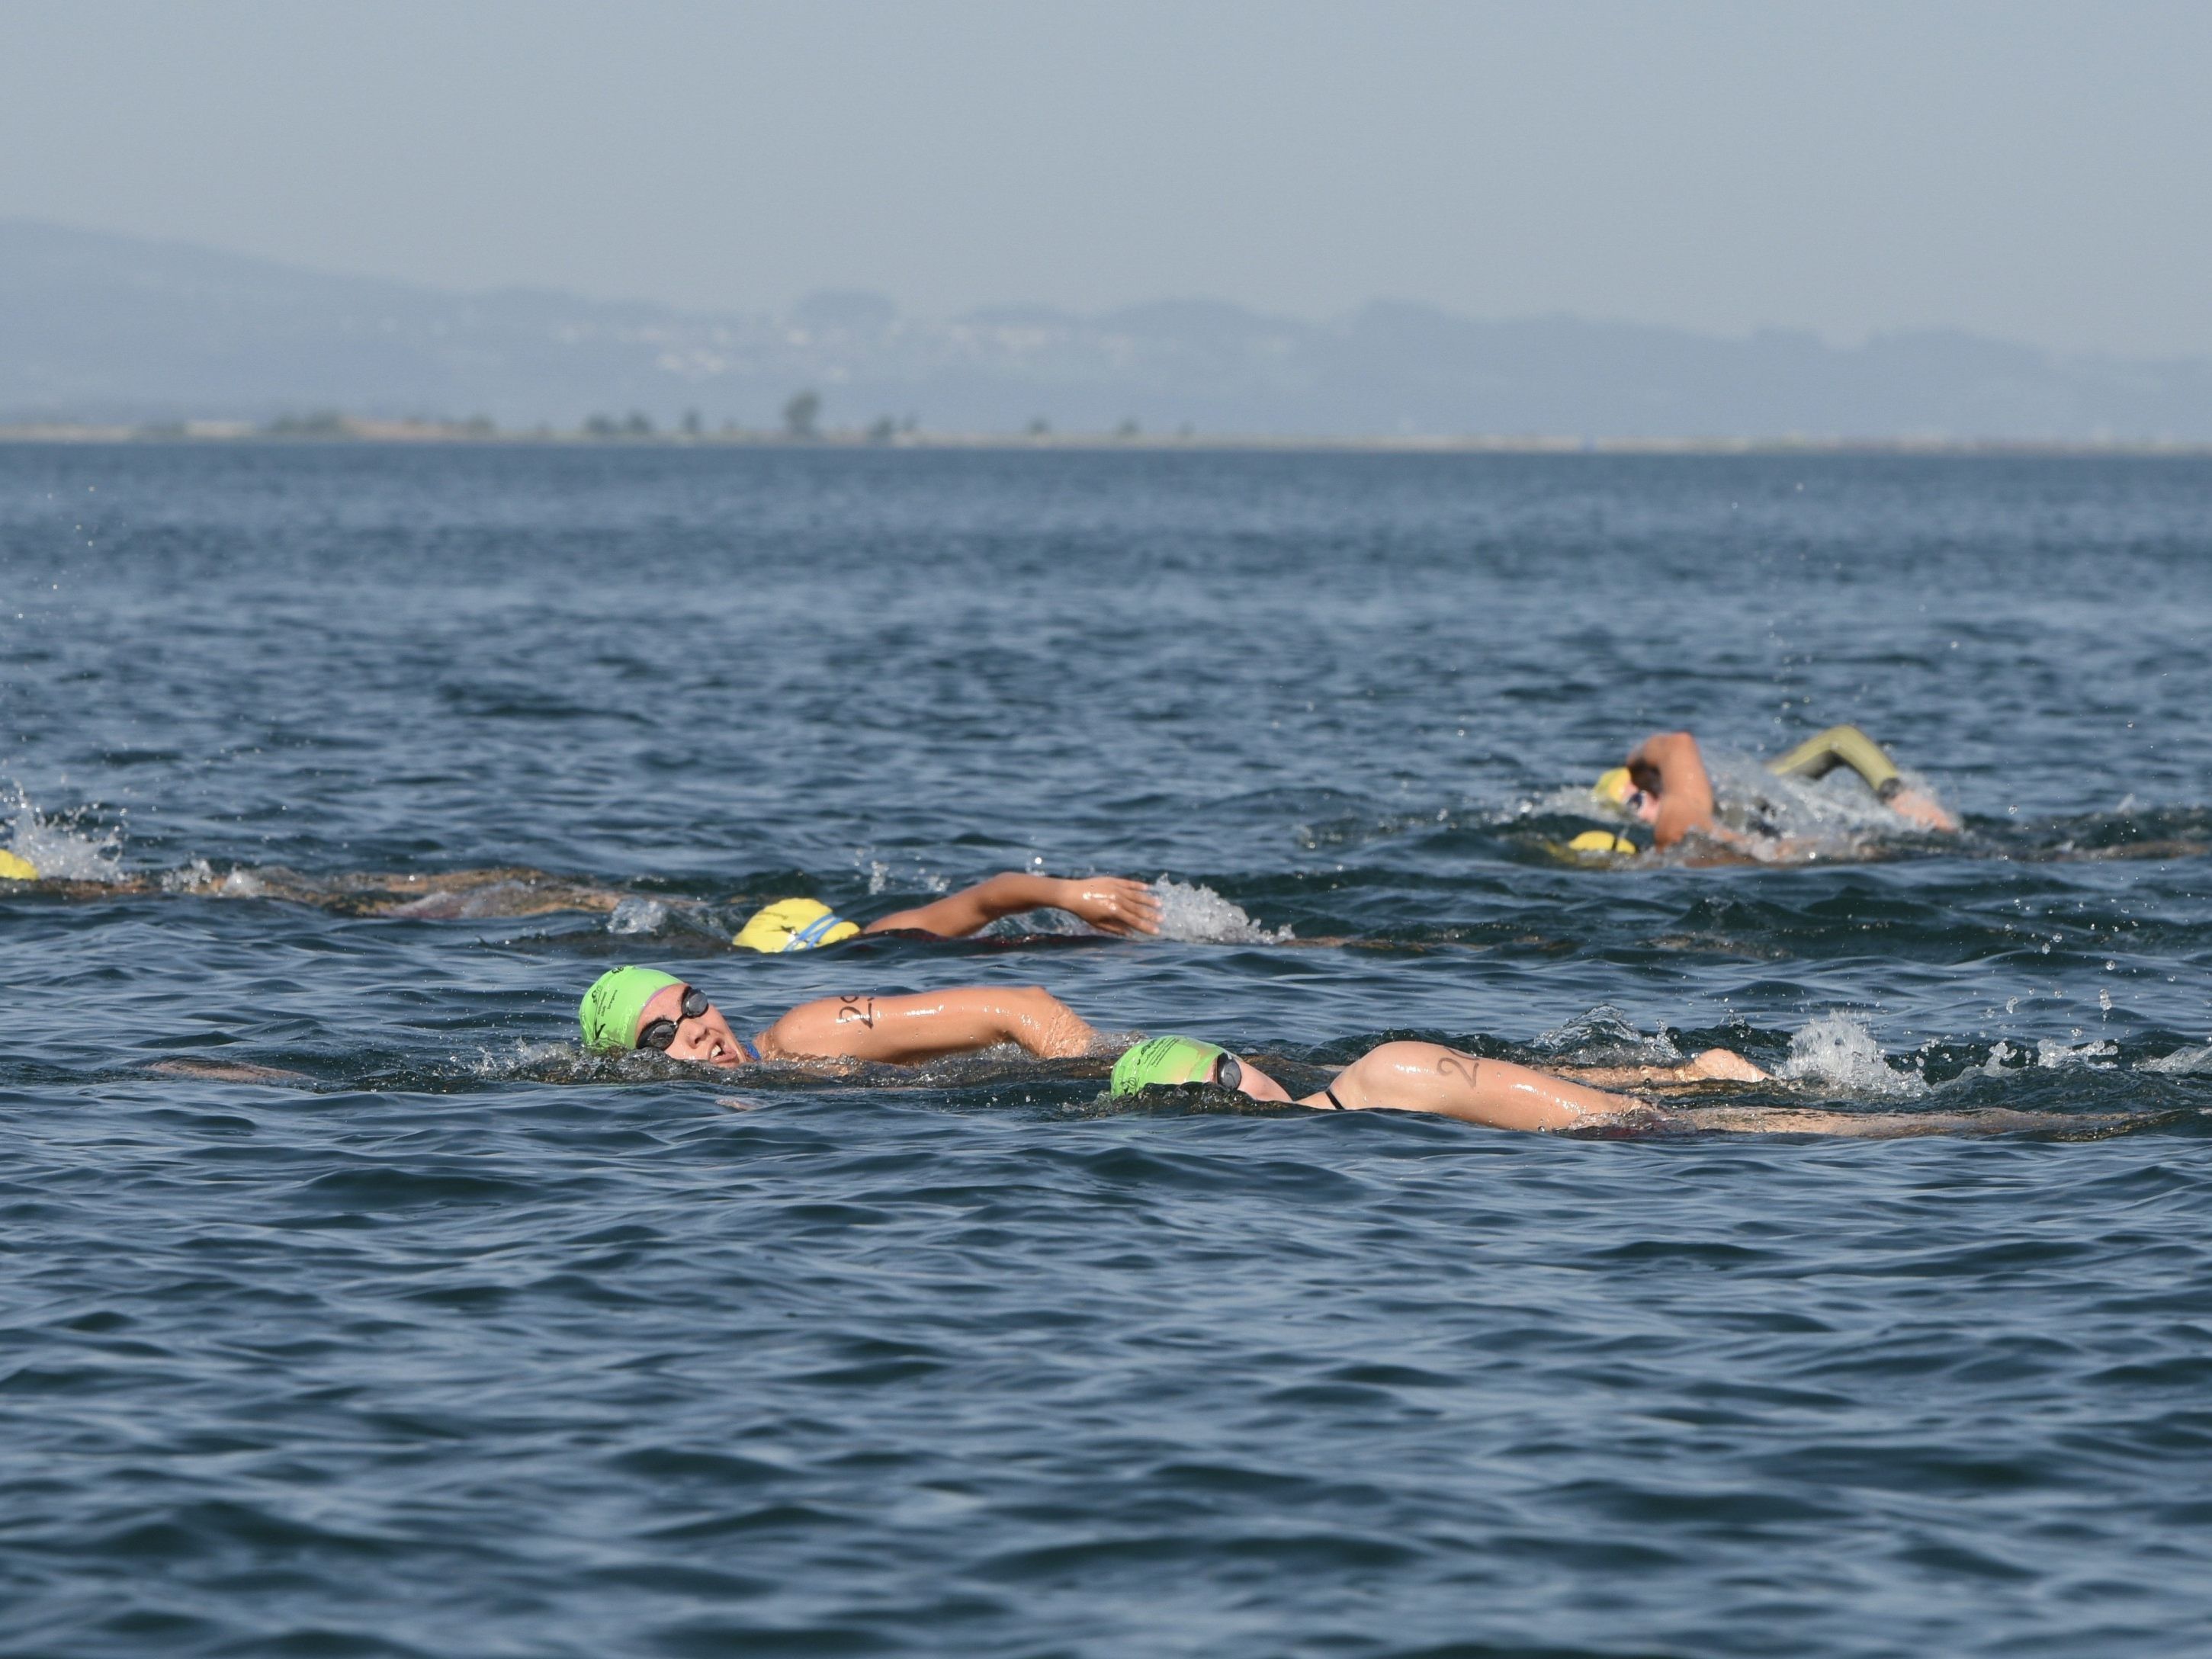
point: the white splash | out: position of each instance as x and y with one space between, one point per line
638 915
1198 914
2182 1062
1606 1036
1838 1052
1837 814
884 878
199 879
526 1058
55 850
196 877
2057 1056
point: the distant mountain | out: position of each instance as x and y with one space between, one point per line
105 328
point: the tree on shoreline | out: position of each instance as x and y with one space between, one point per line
800 415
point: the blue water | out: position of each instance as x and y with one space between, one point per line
454 1342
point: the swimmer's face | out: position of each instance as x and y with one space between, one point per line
1250 1080
706 1037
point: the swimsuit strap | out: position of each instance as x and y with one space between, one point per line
1338 1104
751 1052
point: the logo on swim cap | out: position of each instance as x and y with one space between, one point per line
1164 1062
798 924
1614 787
610 1011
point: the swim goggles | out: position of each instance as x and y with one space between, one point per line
1227 1073
659 1033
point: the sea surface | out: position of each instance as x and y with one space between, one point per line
440 1337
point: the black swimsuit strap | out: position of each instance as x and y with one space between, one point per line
1334 1102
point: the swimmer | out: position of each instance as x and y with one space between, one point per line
1665 784
631 1008
1112 904
474 894
1427 1077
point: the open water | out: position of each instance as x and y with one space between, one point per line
456 1343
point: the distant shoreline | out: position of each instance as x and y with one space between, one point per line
478 435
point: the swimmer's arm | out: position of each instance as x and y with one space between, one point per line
904 1031
1112 904
1668 764
1427 1077
234 1071
1713 1066
1897 1126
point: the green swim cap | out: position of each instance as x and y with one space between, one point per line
1164 1062
609 1012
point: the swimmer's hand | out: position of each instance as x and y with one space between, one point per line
1920 809
1726 1066
1112 904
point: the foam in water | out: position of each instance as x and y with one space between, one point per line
1838 1052
56 849
1198 914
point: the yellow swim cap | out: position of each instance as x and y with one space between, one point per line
15 869
1602 841
794 925
1614 787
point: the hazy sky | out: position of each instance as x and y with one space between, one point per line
2034 171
